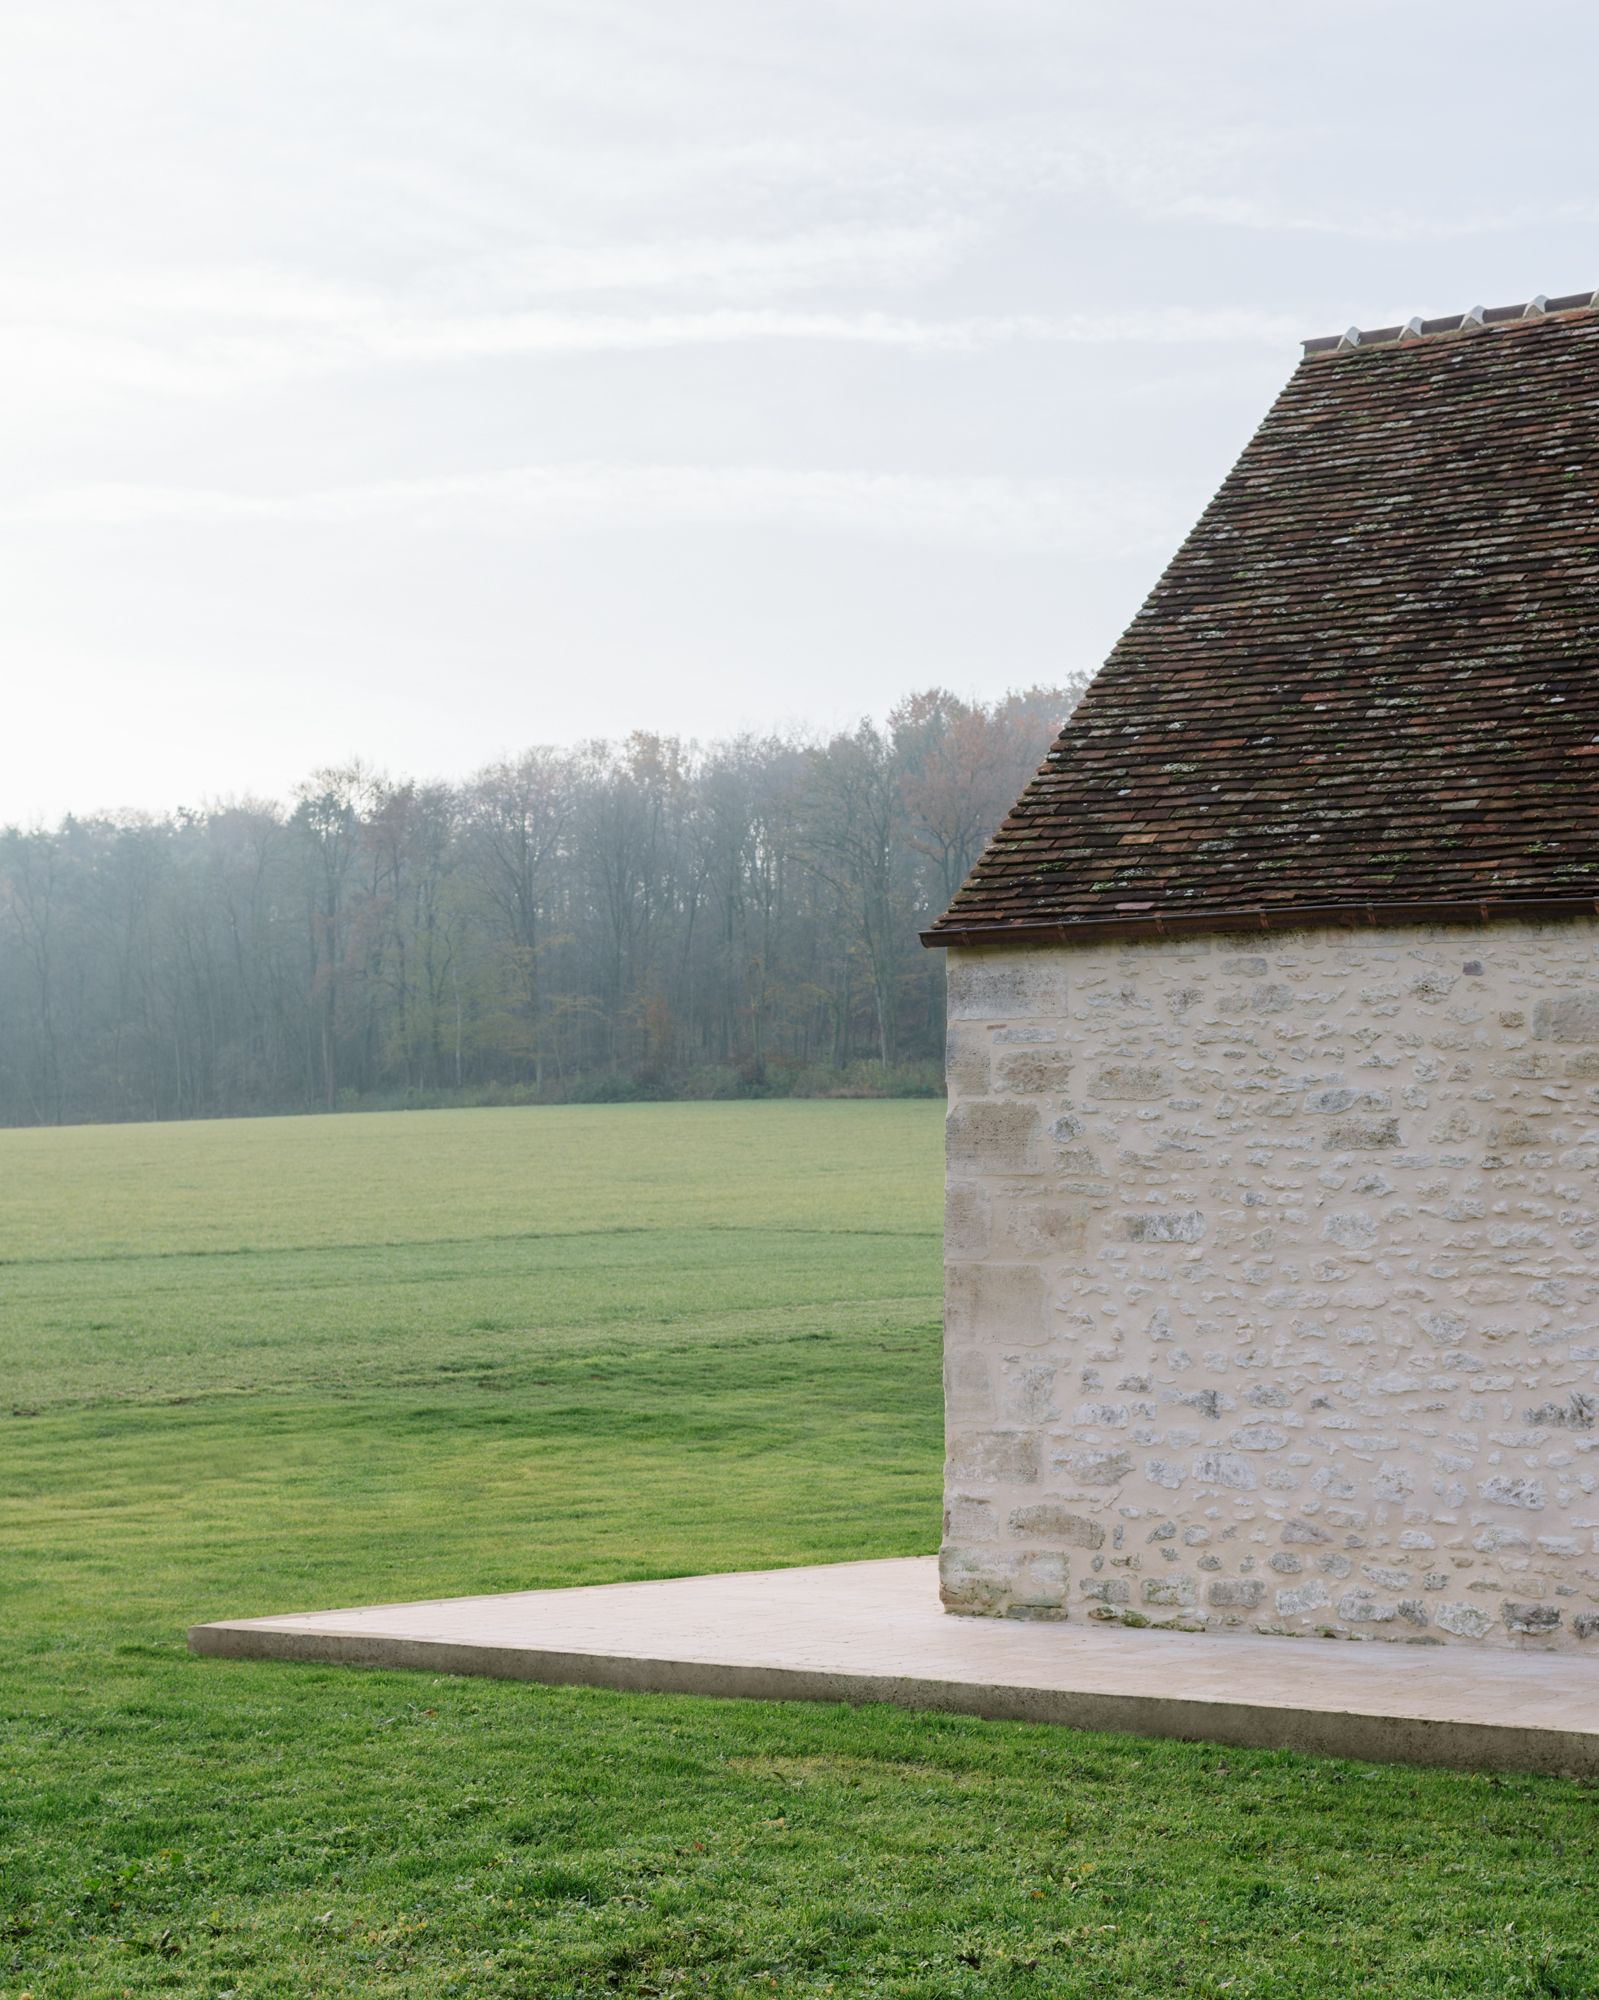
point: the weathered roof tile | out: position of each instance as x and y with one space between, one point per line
1368 683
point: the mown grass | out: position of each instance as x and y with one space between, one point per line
260 1366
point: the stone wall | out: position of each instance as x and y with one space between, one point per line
1273 1283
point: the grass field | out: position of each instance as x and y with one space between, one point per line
265 1366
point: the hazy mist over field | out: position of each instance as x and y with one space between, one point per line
423 381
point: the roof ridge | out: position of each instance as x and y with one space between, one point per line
1536 307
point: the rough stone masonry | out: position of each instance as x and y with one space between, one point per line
1273 1283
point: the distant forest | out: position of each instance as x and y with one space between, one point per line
645 918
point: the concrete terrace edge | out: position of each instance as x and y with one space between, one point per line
1311 1730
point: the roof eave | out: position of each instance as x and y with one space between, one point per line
1291 917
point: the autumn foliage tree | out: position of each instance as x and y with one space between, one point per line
647 916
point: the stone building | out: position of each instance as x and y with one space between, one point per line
1273 1140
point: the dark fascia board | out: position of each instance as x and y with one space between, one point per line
1293 917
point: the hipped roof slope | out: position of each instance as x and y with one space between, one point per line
1367 686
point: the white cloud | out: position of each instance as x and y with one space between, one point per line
222 333
1354 222
261 260
418 339
1089 518
895 254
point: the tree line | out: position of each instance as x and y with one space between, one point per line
647 917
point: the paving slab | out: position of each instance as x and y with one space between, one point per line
875 1632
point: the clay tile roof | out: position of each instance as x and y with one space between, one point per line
1367 686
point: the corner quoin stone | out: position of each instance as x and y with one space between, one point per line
993 1138
994 1303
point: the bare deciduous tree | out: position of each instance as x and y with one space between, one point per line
626 918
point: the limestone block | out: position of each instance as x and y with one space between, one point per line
993 1458
1304 1531
1027 1390
1538 1620
1033 1072
985 1137
1135 1081
1258 1437
968 1392
1225 1468
1034 1585
1000 1304
1004 985
1188 1227
1053 1521
1229 1593
968 1224
1086 1466
1039 1584
1359 1607
1569 1017
1466 1621
966 1064
969 1518
1514 1490
1362 1135
1044 1229
970 1579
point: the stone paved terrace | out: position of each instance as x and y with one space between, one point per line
874 1632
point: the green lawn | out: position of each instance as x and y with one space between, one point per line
271 1365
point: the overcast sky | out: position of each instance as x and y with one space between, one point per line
426 380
